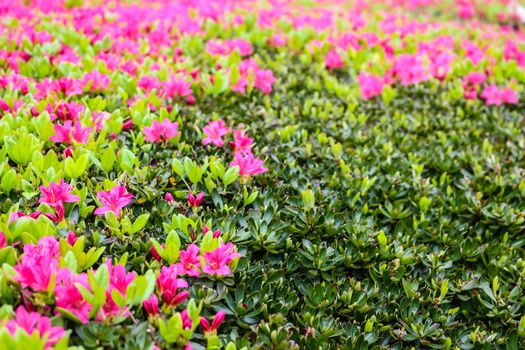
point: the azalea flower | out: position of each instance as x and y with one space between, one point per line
369 85
494 96
68 132
113 200
333 60
56 194
242 142
159 132
67 295
217 261
214 132
169 286
31 322
248 164
38 264
189 261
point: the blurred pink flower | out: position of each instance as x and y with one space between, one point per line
159 132
369 85
214 132
333 60
32 322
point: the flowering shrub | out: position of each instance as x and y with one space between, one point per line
261 174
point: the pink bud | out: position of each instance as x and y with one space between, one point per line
113 136
155 254
216 233
168 197
218 320
195 201
205 229
71 238
205 324
190 100
128 124
179 298
68 152
2 240
151 306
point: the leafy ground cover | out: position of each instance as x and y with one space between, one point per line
261 175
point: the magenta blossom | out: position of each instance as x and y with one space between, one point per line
189 261
55 195
67 295
214 132
369 85
31 322
159 132
38 264
113 200
333 60
170 287
217 261
248 164
242 142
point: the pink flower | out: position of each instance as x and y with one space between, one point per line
264 80
55 195
195 201
62 132
67 295
218 319
159 132
32 322
369 85
176 86
509 96
475 78
189 261
409 69
18 214
333 60
214 132
494 96
96 80
169 286
80 134
38 264
113 200
65 133
119 279
242 142
248 164
217 261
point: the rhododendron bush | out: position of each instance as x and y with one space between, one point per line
248 174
